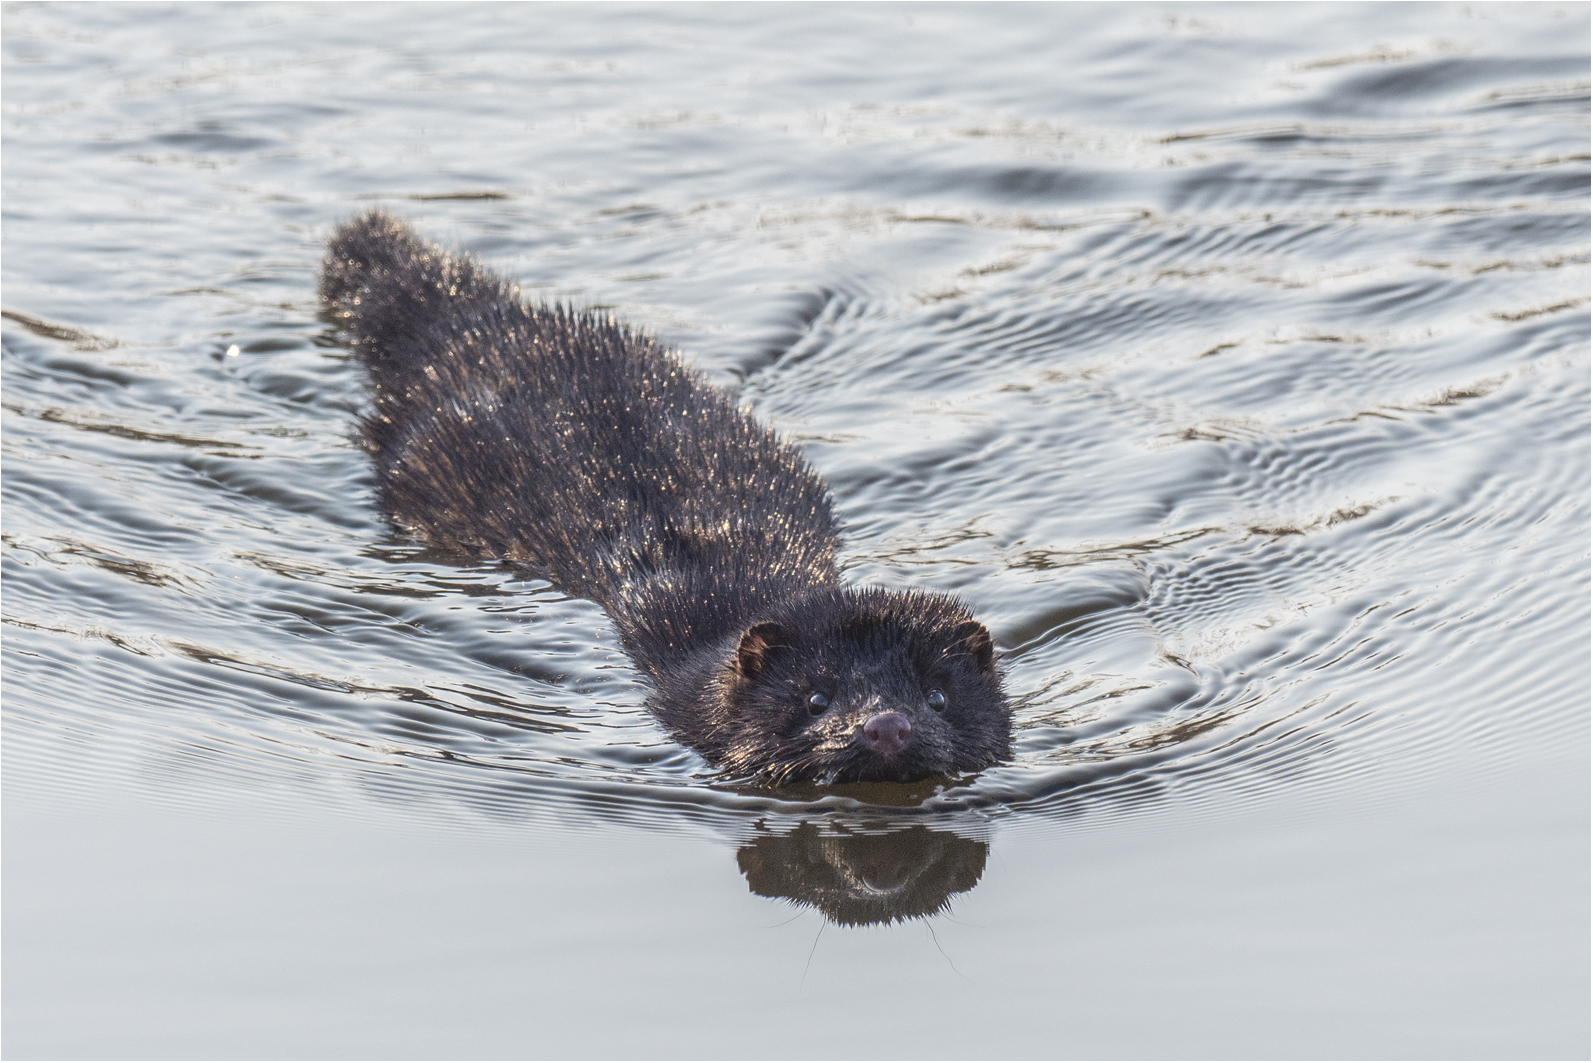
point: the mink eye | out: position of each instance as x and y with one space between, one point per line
817 704
936 700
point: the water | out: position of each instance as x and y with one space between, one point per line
1231 361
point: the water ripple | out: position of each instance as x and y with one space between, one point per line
1246 398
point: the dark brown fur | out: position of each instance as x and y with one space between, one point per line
575 447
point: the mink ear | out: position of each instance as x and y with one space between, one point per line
752 653
971 639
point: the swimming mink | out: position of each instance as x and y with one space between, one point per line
576 448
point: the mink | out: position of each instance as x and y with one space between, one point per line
574 447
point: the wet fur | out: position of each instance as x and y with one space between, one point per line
575 447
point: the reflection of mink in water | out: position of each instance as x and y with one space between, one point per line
570 445
856 879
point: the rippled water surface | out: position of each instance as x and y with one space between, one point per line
1230 361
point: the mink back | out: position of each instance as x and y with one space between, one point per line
570 445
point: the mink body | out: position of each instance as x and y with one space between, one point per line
574 447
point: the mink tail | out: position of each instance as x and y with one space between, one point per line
372 246
391 290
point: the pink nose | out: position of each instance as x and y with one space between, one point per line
887 733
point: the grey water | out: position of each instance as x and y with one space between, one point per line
1230 360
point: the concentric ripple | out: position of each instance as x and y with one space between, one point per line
1255 427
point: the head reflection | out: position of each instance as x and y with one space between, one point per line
861 875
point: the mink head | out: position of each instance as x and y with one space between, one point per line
860 686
